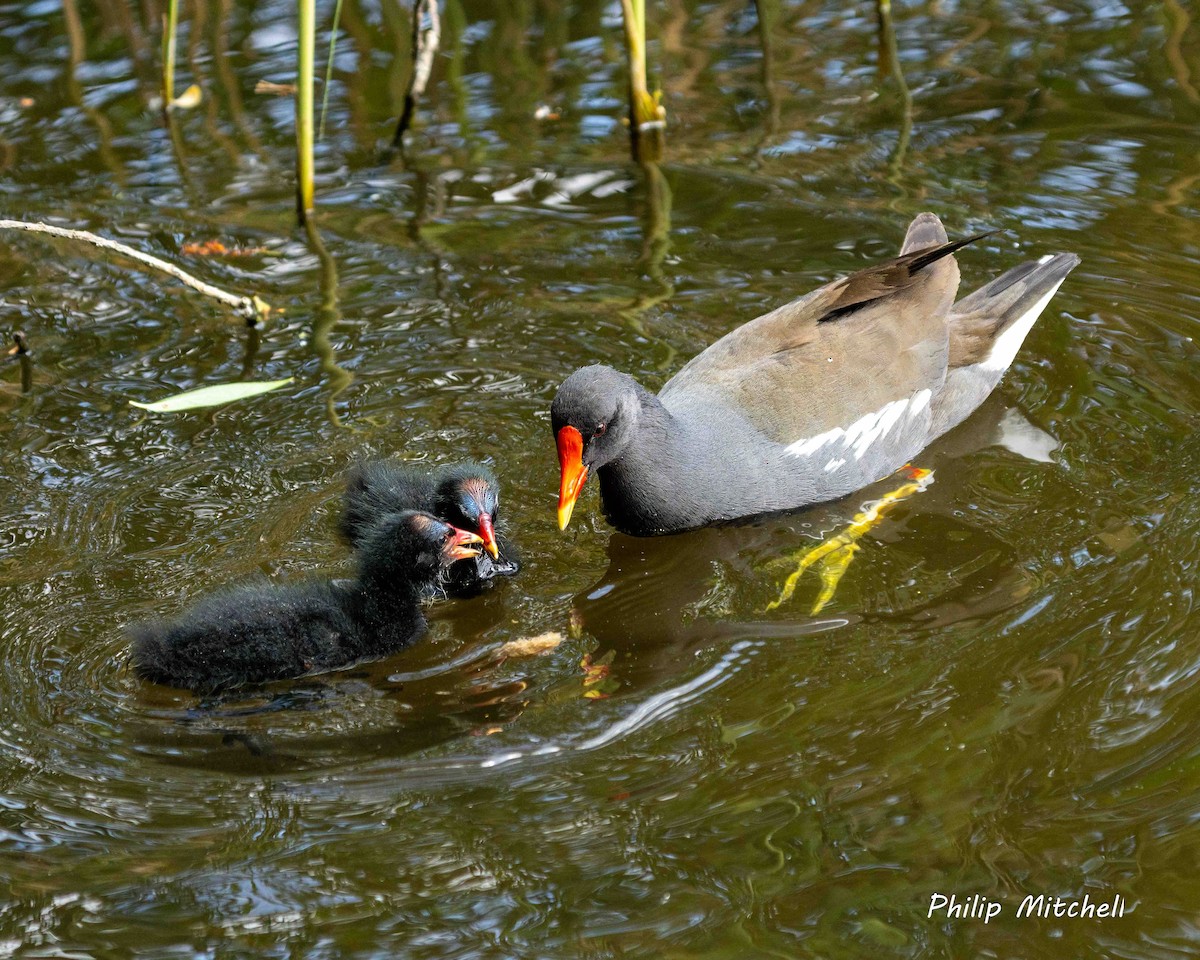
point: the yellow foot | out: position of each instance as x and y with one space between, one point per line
833 556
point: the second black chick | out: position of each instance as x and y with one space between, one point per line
256 634
466 495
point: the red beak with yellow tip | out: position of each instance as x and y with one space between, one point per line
488 533
574 473
459 547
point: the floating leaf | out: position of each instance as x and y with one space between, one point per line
532 646
212 396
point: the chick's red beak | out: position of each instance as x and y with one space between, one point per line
488 534
574 473
459 547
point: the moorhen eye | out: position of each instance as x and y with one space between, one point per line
761 421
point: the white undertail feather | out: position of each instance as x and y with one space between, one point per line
1004 350
1018 435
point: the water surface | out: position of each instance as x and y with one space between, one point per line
1001 699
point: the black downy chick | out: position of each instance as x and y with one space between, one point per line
255 634
466 495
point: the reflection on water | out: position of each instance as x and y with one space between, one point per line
999 700
663 599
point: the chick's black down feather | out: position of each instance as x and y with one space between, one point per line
258 633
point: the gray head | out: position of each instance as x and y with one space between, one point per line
594 416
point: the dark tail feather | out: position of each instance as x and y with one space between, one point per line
923 258
855 291
1020 287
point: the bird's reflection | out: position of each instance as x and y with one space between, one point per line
662 599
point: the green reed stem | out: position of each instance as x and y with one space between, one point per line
170 27
307 39
333 34
646 116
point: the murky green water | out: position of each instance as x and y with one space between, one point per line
1001 700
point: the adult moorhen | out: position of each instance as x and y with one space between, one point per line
255 634
804 404
466 495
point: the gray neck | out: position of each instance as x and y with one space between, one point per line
636 498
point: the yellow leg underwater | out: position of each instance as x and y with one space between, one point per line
832 557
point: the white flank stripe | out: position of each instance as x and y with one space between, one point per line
883 423
863 432
861 426
1009 342
806 448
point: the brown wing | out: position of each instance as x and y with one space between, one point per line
844 350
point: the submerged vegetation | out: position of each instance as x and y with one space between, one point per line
646 119
646 122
